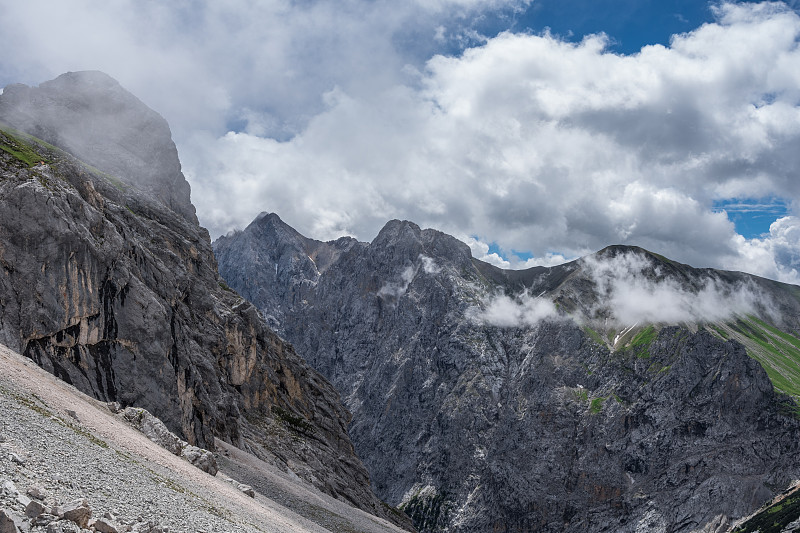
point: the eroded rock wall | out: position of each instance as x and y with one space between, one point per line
118 294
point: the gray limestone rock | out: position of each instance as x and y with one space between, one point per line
37 493
470 426
63 526
154 429
44 519
105 526
34 509
78 511
202 459
10 522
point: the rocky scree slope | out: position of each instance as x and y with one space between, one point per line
68 464
475 411
118 294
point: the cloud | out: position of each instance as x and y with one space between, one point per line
344 118
545 145
637 291
429 266
776 255
261 66
396 289
518 311
632 289
548 260
480 250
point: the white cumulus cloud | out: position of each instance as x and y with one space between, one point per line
342 118
513 311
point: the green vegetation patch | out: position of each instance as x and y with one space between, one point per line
641 342
596 406
581 394
774 518
719 332
644 337
777 351
427 510
224 286
595 336
295 423
18 148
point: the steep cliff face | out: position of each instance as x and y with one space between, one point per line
91 116
479 407
118 294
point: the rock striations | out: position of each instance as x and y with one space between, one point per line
107 281
479 407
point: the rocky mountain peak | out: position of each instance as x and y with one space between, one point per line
270 225
90 115
405 240
549 399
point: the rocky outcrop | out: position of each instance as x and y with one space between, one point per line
118 294
155 430
91 116
510 423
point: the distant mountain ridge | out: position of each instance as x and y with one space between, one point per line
550 399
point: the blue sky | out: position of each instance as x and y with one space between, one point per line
631 24
535 130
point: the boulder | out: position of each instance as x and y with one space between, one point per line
79 512
202 459
154 429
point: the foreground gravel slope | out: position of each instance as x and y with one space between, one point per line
56 439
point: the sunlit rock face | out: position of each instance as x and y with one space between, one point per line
92 117
492 400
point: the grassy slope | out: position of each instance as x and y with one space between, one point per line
33 151
777 351
775 516
21 150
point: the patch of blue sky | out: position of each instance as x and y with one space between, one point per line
629 24
495 249
515 257
523 256
752 217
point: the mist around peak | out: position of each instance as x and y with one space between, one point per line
91 116
628 287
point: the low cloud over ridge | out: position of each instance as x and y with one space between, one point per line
634 291
631 289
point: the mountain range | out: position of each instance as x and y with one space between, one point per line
618 392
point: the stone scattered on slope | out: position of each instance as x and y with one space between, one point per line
130 483
155 430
